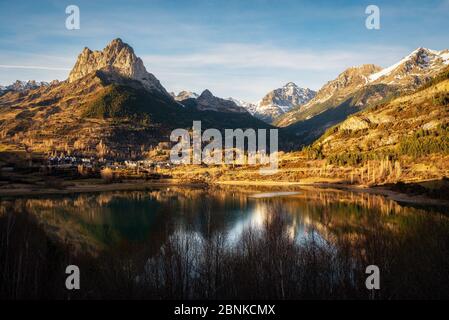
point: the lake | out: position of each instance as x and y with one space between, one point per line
181 243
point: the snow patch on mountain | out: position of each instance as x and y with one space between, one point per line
277 102
422 57
183 95
21 86
249 106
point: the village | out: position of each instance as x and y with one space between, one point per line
68 162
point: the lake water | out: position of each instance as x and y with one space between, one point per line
103 231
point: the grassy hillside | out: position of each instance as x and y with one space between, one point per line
413 126
118 101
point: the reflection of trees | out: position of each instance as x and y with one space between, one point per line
124 229
95 221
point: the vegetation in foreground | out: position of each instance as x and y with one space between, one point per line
265 263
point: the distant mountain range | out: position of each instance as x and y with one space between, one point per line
21 86
274 104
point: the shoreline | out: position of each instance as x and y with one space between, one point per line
94 187
375 190
139 185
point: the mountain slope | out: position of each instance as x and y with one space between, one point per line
413 125
331 94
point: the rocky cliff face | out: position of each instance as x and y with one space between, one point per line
117 59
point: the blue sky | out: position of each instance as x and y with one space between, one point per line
238 48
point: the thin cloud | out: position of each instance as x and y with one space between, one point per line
33 67
248 71
247 56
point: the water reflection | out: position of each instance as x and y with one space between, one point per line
94 222
170 237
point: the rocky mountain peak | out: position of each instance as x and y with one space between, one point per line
206 94
183 95
281 100
290 84
346 82
116 58
207 101
414 69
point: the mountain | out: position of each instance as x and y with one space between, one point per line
413 125
359 87
277 102
207 101
109 106
249 106
333 92
183 95
273 104
21 86
215 112
117 60
281 100
414 69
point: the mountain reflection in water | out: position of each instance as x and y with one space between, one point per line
135 225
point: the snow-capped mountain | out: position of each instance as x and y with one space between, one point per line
20 86
249 106
277 102
414 69
359 87
281 100
407 74
183 95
